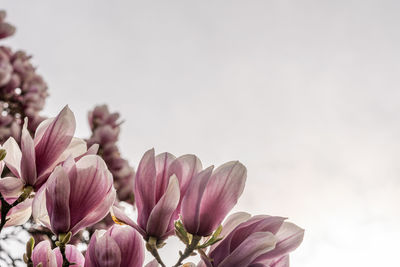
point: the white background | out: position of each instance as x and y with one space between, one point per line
304 93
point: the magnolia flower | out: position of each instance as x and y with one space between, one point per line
157 194
254 241
77 195
43 254
119 246
37 158
19 214
210 196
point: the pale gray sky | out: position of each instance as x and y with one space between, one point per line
304 93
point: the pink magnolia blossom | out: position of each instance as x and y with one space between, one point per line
255 241
77 195
38 156
119 246
157 194
210 196
42 253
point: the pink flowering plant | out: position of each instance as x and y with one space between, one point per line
72 195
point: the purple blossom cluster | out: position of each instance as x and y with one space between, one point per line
22 91
68 185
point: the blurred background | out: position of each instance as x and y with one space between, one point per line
304 93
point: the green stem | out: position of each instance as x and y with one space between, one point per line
151 246
188 250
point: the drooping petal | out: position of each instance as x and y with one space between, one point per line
13 156
42 253
238 235
11 186
130 244
145 183
57 201
191 202
121 217
55 139
221 195
73 256
256 244
231 223
28 161
159 219
20 214
289 238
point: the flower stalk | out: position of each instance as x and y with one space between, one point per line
151 246
190 248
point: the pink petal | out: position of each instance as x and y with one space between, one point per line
191 202
185 168
13 156
221 195
161 215
20 214
76 148
57 201
39 210
281 262
92 192
231 223
107 252
73 256
90 255
130 244
145 183
11 186
120 215
289 238
42 253
55 139
28 161
162 162
255 245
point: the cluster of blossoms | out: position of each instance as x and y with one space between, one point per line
22 91
69 185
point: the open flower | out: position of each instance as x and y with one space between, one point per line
119 246
254 241
210 196
38 156
77 195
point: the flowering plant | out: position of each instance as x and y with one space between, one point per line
67 191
